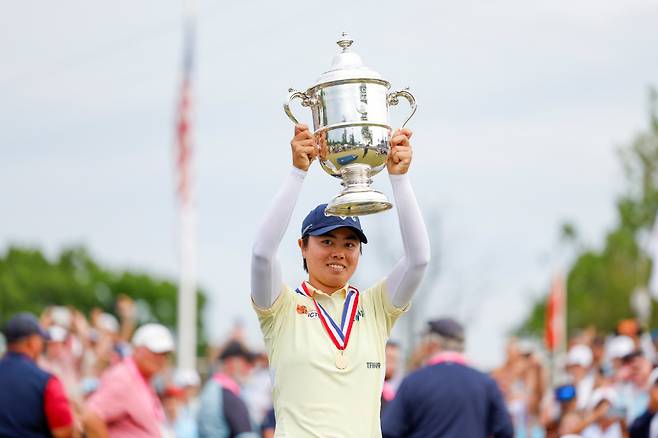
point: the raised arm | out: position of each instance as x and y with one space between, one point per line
407 274
266 282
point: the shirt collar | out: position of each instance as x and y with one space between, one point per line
448 356
227 382
311 290
17 355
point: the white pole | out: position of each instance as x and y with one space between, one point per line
187 299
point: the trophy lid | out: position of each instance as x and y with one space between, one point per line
346 65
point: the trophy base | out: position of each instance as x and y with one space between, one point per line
358 203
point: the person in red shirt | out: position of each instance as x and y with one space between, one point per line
33 402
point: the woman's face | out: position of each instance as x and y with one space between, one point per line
331 258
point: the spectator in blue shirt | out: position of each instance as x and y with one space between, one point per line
33 403
223 413
447 398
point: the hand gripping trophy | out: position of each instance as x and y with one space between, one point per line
350 105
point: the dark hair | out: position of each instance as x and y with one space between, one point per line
305 244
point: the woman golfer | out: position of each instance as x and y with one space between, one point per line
325 338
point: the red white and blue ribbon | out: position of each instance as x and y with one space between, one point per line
339 335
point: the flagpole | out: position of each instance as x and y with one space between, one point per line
556 320
187 288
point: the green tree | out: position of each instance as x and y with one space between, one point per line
29 281
600 282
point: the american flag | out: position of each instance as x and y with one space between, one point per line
187 288
183 126
556 315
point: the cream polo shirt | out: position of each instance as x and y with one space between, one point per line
312 397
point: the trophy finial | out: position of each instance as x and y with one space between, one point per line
345 42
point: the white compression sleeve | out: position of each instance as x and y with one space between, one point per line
407 274
266 282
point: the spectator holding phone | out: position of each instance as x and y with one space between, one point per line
606 417
579 363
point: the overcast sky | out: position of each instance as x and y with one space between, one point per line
522 106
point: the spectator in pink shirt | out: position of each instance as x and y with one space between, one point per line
125 405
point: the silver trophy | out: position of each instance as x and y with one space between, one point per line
350 119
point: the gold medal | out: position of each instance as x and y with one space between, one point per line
341 361
339 335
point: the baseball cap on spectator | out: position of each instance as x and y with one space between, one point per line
21 326
236 349
629 357
602 394
184 378
525 347
620 346
108 322
61 316
446 327
57 333
579 355
155 337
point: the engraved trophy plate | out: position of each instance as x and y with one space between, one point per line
349 104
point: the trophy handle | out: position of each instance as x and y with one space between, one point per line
392 99
294 94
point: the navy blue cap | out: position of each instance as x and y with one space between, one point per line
446 327
236 349
21 326
316 223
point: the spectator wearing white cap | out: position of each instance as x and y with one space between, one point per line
579 361
189 382
617 348
633 386
60 361
125 404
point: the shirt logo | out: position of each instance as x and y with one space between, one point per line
303 310
360 314
373 365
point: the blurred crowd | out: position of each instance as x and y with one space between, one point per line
102 375
603 385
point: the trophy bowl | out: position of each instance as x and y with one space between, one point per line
349 105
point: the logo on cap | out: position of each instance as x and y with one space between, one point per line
352 218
